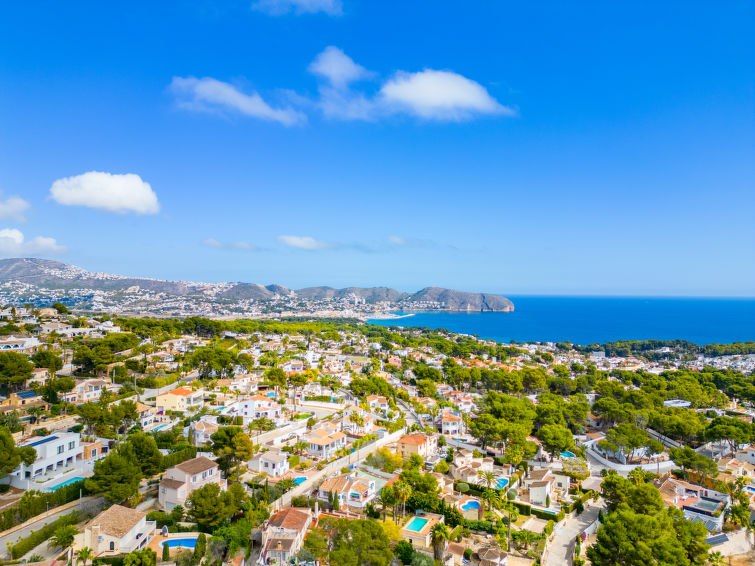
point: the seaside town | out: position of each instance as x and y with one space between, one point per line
134 441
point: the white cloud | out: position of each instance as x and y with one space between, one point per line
240 246
439 95
208 94
106 191
337 67
428 94
13 208
13 243
303 242
281 7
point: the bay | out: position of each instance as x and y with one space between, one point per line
588 320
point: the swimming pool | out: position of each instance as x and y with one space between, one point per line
416 524
65 483
180 542
471 504
162 426
501 483
568 455
300 480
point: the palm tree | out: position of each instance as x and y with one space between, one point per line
510 496
440 537
385 499
85 554
716 559
488 478
402 490
492 497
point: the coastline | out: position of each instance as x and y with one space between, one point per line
388 316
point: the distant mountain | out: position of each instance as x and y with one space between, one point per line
256 291
463 301
368 294
56 275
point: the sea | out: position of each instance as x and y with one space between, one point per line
590 320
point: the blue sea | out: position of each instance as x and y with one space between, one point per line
588 320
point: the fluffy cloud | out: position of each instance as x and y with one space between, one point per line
281 7
439 95
428 94
239 246
303 242
13 208
13 243
211 95
337 67
106 191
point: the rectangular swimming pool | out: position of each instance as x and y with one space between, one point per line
65 483
416 524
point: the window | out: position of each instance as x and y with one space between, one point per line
61 448
71 445
112 545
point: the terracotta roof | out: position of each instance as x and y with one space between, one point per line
196 465
171 484
417 439
291 518
180 391
117 520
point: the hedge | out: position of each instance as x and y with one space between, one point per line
33 503
179 456
485 526
524 509
111 560
36 538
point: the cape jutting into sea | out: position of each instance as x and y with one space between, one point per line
589 320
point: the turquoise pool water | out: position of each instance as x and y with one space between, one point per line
416 524
65 483
471 504
162 426
568 455
180 542
300 480
501 483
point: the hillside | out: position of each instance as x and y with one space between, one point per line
58 276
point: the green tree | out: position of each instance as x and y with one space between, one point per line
115 477
556 439
357 543
15 369
142 449
440 536
63 537
627 538
85 555
49 360
146 557
200 548
11 456
209 506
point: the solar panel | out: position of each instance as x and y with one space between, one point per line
716 540
28 394
42 441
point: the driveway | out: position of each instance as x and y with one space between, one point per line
561 548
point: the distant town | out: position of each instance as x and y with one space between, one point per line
200 441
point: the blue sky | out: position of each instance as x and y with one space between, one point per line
521 148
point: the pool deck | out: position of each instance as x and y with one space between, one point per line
155 543
423 535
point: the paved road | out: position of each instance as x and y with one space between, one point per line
90 506
562 547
